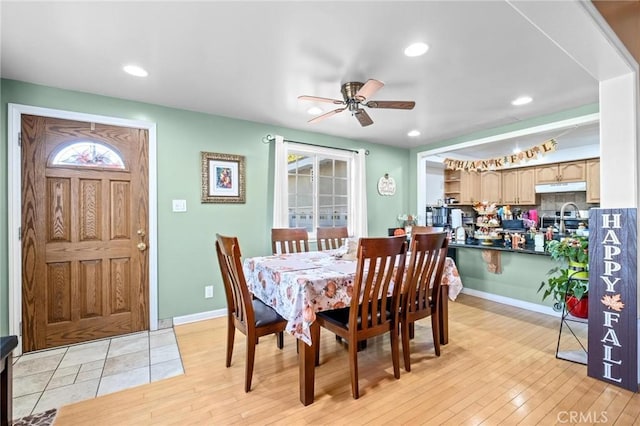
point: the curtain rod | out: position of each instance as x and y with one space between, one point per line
271 138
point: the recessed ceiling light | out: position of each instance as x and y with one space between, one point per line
135 70
413 133
522 100
416 49
314 110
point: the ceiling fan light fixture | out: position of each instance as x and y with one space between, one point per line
135 70
355 96
522 100
416 49
315 110
413 133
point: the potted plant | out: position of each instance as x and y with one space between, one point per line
568 283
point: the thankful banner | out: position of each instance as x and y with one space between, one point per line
500 162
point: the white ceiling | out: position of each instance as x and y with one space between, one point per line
250 60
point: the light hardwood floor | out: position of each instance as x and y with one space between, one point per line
498 368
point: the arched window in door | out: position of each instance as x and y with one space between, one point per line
88 154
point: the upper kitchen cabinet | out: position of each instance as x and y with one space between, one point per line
572 171
593 180
518 186
462 185
491 186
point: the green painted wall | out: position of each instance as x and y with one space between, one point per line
185 240
520 278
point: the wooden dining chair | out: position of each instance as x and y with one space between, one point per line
380 265
289 240
329 238
420 229
249 315
421 289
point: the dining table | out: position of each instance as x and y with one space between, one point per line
297 285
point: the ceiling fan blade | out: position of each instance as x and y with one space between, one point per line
391 104
326 115
368 89
363 118
319 99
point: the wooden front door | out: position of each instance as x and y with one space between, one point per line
84 223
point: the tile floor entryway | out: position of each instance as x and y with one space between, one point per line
55 377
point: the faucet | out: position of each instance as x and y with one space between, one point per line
565 205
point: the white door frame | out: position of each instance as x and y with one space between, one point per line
15 112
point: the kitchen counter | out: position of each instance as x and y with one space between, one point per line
527 249
492 255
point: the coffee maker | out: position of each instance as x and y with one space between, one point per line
441 216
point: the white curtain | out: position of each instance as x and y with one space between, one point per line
359 191
280 185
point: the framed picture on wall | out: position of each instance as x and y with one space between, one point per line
223 178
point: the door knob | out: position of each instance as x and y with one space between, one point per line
141 245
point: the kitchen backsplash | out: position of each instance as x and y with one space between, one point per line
551 203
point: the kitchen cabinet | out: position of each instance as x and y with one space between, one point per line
462 185
518 186
547 174
593 180
491 186
527 186
510 186
572 171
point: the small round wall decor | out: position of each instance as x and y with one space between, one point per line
386 185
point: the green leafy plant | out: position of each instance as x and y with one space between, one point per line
570 249
562 280
559 284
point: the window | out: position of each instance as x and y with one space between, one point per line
88 154
318 192
317 186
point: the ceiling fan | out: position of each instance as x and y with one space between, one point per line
356 95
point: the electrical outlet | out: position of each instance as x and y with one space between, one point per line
208 292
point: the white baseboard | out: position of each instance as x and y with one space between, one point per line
200 316
511 302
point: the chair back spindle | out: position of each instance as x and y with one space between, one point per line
289 240
331 238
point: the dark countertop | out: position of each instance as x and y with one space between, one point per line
527 249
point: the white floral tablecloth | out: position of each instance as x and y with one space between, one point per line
300 284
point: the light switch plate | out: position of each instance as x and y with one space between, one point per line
208 292
179 205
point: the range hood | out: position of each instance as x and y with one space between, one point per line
561 187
